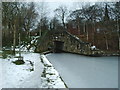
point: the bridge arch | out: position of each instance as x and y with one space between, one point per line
70 42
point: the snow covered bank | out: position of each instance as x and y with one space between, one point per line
50 78
30 46
37 72
21 76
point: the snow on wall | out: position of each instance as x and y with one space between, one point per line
50 77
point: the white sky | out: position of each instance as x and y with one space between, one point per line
51 6
54 5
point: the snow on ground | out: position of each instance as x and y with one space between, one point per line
50 77
21 76
35 73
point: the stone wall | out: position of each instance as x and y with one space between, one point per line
71 43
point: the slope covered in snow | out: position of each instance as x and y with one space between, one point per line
22 76
37 72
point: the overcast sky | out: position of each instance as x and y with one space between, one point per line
51 5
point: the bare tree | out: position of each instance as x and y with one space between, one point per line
92 14
116 11
17 18
42 7
54 24
77 17
30 17
61 12
11 20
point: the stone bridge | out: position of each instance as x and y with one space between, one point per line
62 41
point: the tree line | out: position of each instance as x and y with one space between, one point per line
17 19
98 24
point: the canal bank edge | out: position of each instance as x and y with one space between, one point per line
107 55
50 71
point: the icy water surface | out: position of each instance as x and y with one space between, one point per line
86 72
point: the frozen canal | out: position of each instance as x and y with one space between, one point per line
86 72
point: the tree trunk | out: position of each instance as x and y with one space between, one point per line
118 30
19 45
78 28
40 31
106 41
78 25
119 43
84 27
14 39
63 23
94 33
87 32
